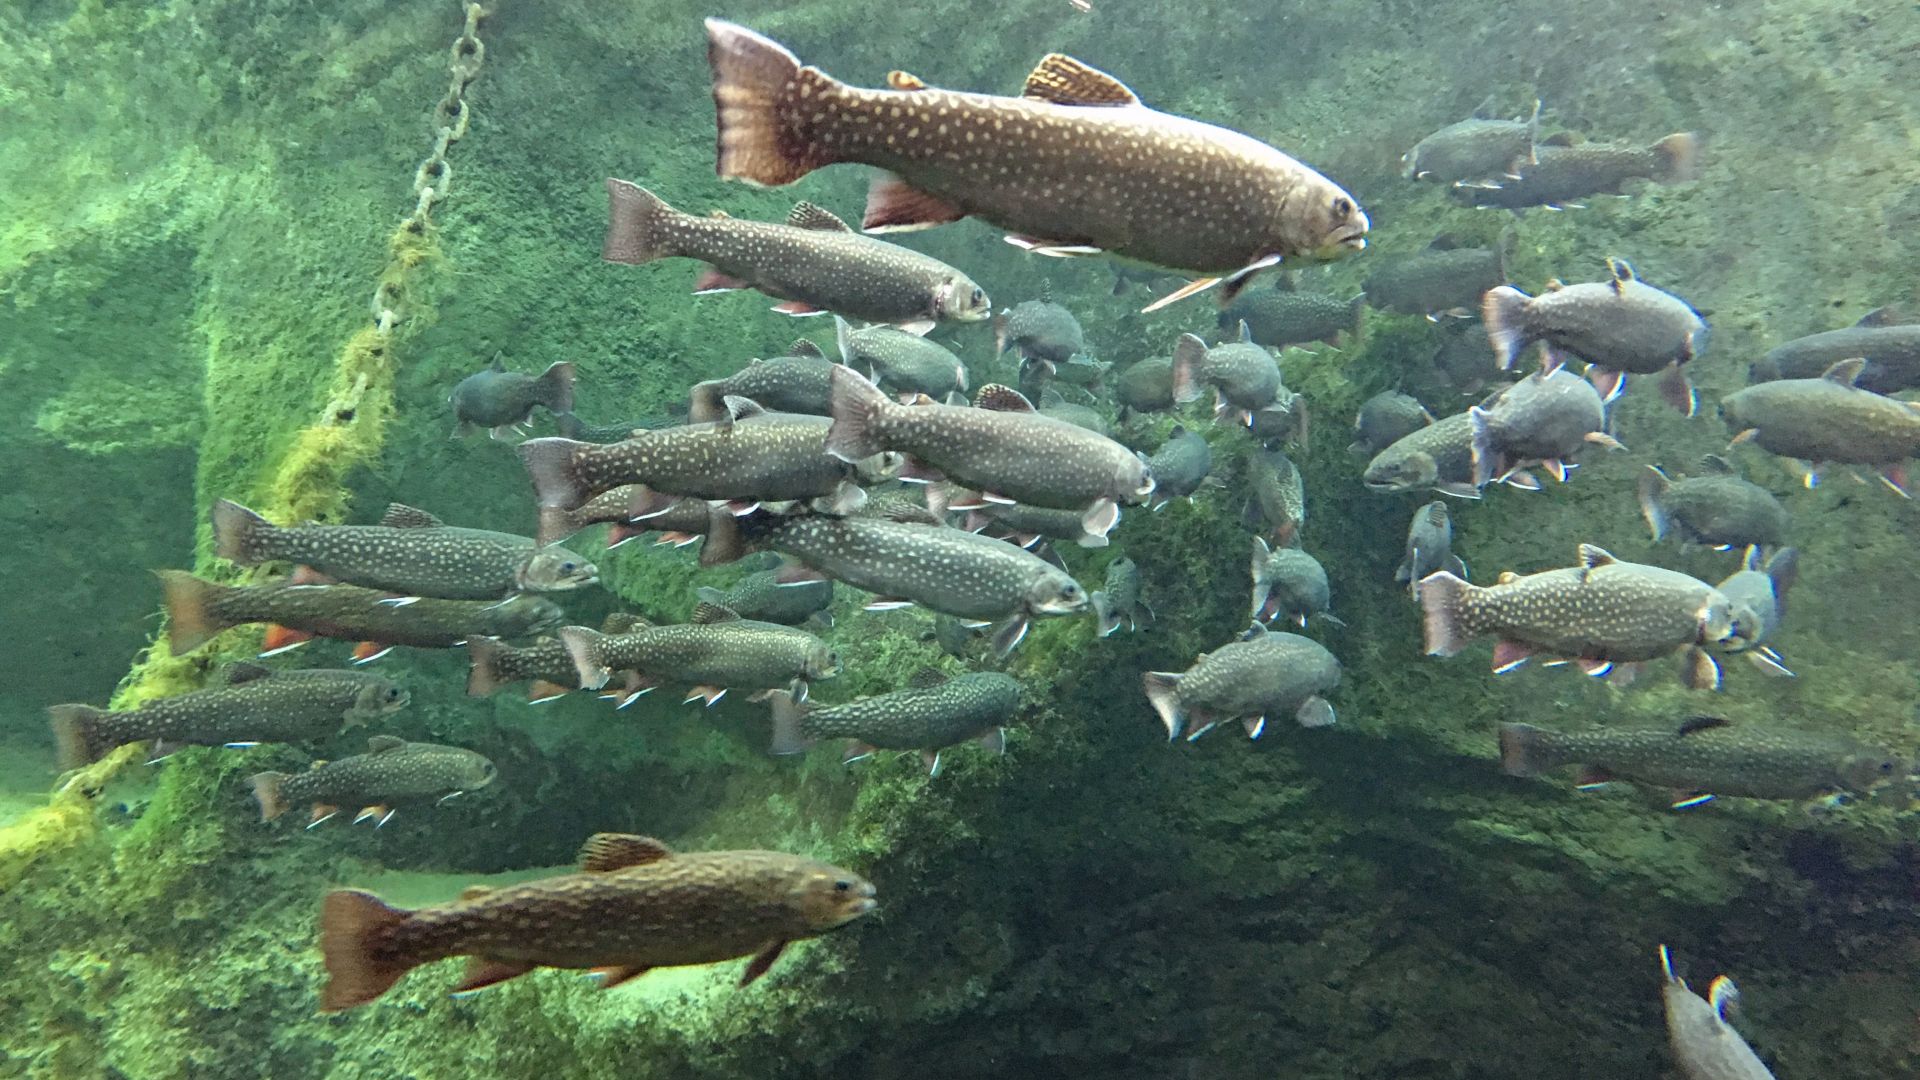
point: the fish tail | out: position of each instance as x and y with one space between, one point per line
1163 692
483 665
757 84
557 524
239 533
1524 750
1188 353
857 404
583 647
1653 490
1262 576
725 542
1783 569
1503 310
1357 314
640 225
266 792
76 731
569 425
190 622
556 387
556 482
355 928
706 402
787 714
1676 158
1486 456
1109 615
1441 595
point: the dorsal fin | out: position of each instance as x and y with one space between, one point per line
1700 723
475 892
623 622
806 347
1622 273
720 215
245 671
1246 333
1845 372
1714 463
1001 398
1592 556
498 365
1506 577
1065 81
1555 284
1484 110
927 677
706 614
805 215
1883 316
1558 138
900 80
385 744
402 516
740 408
1254 632
615 851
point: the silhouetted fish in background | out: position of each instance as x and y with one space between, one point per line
500 400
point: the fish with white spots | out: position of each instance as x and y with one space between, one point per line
393 772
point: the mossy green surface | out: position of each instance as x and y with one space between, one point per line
204 199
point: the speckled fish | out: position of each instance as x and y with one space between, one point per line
198 609
1438 456
1716 508
1481 147
1705 1045
794 383
1444 278
1618 326
999 447
1280 316
1828 421
393 772
1075 165
1018 523
572 427
1758 593
917 562
1244 376
1284 421
1883 338
1562 174
1465 359
1289 584
1119 601
1083 372
715 650
1545 419
1605 615
933 713
634 906
681 523
763 597
899 362
1039 330
500 400
1180 466
812 263
1429 548
410 552
545 665
1266 673
1704 756
1146 387
1384 419
251 705
1278 503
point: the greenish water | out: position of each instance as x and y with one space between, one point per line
202 198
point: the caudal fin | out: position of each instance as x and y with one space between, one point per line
266 792
706 402
238 533
639 225
190 623
76 732
556 387
1676 157
1486 456
1783 568
1106 612
556 482
856 405
757 88
1188 354
1163 693
354 931
483 665
1441 595
787 714
1523 750
1653 490
1503 312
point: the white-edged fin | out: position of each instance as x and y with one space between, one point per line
1315 713
1189 289
1692 801
1009 635
1724 996
400 601
240 745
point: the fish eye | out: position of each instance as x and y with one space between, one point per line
843 886
566 568
393 693
1342 206
1886 766
978 296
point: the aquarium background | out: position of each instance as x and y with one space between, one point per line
202 199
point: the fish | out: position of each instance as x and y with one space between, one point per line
1887 340
1289 583
680 524
1085 417
1758 593
1149 278
1828 421
1145 387
902 363
1465 359
1701 1033
1244 376
1545 419
1280 316
1266 673
1562 174
392 771
1120 601
1039 330
1438 456
1605 615
812 262
572 427
794 383
1384 419
1704 756
761 596
197 609
634 905
915 561
998 450
1444 278
1715 509
953 636
500 400
1284 421
715 650
251 704
546 663
1429 548
1278 503
1180 466
1084 372
1481 147
1027 526
410 553
752 458
1618 326
933 713
1074 166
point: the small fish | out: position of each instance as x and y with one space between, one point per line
715 650
794 383
1477 148
1544 419
1701 1033
1429 548
1562 174
1180 466
1444 278
1605 615
1145 387
1438 456
500 400
999 448
635 905
1884 338
1465 358
1266 673
198 609
900 362
392 771
813 263
251 705
1385 419
1758 593
1027 526
1244 376
1284 421
1120 601
1039 330
761 596
1704 755
1618 326
1289 583
954 636
1715 509
411 553
1067 167
1084 372
1279 317
679 524
546 664
1278 504
1827 421
933 713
